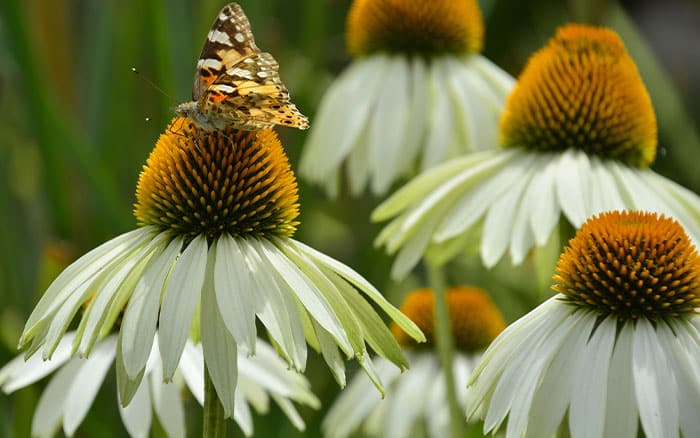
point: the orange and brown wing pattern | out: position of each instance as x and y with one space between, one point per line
228 42
252 94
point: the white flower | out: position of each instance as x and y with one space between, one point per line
577 137
415 398
513 200
217 211
619 345
70 393
418 397
406 98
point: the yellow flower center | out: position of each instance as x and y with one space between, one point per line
631 265
415 26
582 91
474 318
208 183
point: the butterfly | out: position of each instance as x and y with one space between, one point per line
235 84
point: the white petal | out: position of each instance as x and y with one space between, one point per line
621 417
192 369
167 403
570 180
49 410
408 396
116 288
141 315
358 167
179 303
546 352
242 416
87 382
604 193
306 291
387 125
653 383
17 373
279 315
290 411
330 353
415 133
440 118
137 415
686 370
218 346
342 116
501 82
499 222
542 198
80 271
235 292
587 411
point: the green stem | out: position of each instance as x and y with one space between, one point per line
214 424
445 346
588 11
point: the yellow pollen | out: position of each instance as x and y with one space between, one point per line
631 265
415 26
582 91
474 318
197 182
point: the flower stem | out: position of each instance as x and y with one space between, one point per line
214 424
445 346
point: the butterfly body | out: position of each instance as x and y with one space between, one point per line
236 85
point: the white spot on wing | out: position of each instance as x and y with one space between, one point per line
219 37
224 88
209 63
239 37
240 72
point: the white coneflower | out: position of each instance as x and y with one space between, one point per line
578 135
617 346
216 212
71 392
418 90
417 399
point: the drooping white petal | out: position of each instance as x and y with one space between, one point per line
501 82
218 346
587 411
541 196
137 415
653 383
305 290
387 125
192 369
406 401
336 130
167 402
441 121
235 293
570 182
49 410
279 314
547 350
141 316
179 303
86 383
621 417
17 373
80 271
417 117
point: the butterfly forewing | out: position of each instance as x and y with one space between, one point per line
236 85
228 42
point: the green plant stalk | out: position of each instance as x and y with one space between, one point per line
445 346
214 422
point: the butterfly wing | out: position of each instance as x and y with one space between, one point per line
228 42
252 91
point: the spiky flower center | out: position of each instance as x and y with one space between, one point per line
582 91
474 318
200 182
631 265
415 27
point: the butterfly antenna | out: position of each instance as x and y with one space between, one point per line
151 83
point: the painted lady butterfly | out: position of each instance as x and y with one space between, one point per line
236 85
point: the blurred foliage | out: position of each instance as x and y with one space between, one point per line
74 135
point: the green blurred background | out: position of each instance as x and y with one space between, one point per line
74 135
